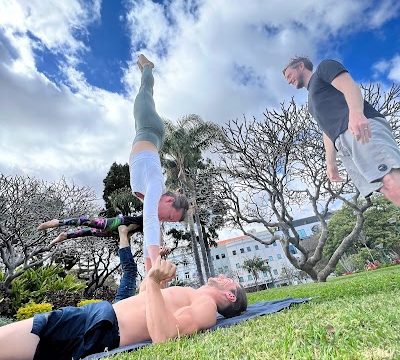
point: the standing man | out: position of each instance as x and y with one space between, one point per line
350 125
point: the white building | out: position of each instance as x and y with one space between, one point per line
229 256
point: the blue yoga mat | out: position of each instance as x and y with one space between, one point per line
253 310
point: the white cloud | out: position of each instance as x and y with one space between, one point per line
389 68
219 59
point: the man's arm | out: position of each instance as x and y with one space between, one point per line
330 155
162 324
358 123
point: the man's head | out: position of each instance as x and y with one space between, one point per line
298 71
235 298
172 207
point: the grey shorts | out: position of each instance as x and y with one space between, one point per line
368 163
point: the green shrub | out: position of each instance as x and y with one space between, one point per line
29 310
5 320
84 302
61 298
35 284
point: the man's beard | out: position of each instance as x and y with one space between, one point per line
300 81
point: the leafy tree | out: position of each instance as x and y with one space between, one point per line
117 194
254 266
182 157
380 228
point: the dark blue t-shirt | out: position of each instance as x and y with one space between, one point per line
327 104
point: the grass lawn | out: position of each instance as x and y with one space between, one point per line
350 317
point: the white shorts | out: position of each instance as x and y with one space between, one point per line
368 163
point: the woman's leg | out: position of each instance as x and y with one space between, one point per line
73 234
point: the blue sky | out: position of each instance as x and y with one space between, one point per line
68 72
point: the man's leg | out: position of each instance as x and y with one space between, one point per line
127 284
17 342
391 186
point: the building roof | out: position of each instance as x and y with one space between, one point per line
232 240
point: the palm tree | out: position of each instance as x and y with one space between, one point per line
181 157
254 266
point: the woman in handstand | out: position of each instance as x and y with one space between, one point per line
146 177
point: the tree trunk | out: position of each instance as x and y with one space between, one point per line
194 247
201 241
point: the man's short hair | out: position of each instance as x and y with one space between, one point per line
180 203
297 60
237 307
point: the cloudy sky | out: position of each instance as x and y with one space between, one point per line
68 72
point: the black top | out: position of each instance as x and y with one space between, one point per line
327 104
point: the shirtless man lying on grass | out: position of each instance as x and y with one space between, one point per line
154 314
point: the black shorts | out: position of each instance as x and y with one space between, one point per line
75 332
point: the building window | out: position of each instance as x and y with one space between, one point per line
241 250
237 266
302 233
222 256
292 249
249 277
234 252
187 276
185 263
217 257
270 258
275 244
225 269
256 247
248 249
275 272
279 256
241 279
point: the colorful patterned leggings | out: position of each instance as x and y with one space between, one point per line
99 227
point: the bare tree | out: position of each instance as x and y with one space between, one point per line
273 166
24 203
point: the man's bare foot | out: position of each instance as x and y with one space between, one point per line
144 61
59 238
49 224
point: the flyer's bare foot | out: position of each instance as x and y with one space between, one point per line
59 238
144 61
139 65
49 224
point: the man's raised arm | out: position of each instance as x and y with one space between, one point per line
162 324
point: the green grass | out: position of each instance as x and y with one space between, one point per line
350 317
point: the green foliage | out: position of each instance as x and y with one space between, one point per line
84 302
255 265
61 298
118 178
29 310
381 227
5 320
34 284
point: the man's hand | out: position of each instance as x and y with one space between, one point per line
333 173
359 127
162 271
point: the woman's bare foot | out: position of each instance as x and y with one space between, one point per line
49 224
139 65
59 238
144 61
